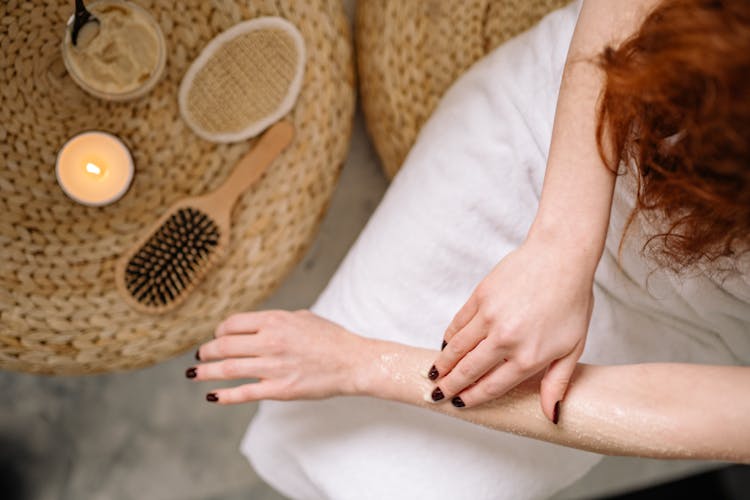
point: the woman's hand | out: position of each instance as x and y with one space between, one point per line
531 312
296 355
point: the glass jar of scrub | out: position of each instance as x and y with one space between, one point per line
119 58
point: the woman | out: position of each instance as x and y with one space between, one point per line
662 248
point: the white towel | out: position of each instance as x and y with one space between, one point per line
465 197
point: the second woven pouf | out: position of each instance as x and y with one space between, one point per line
410 51
59 310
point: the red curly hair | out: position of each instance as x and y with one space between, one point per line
676 105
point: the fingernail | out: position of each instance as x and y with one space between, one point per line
433 374
198 355
437 394
444 344
212 397
556 413
190 372
458 402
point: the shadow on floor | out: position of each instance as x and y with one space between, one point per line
729 483
12 483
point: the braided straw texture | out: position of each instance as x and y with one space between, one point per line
59 310
410 51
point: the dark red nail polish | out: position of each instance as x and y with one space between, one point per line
198 355
433 374
458 402
556 413
437 394
191 372
444 344
212 397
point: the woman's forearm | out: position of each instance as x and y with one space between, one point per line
576 197
650 410
654 410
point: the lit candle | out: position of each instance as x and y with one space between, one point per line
94 168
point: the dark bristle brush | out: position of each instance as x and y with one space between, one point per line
177 251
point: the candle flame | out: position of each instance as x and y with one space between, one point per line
93 168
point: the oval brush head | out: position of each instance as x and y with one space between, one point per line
178 250
176 256
245 79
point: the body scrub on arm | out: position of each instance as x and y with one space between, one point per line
122 56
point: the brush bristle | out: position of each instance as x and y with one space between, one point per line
165 266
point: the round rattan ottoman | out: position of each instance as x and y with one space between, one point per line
410 51
59 310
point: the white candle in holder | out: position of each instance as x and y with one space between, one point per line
94 168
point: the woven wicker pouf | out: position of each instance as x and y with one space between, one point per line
410 51
59 311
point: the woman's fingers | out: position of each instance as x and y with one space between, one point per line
246 322
461 319
230 346
483 358
245 393
555 382
229 369
459 346
497 382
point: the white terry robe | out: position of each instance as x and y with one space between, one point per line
466 196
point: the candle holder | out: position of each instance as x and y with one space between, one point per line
94 168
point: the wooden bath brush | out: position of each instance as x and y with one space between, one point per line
177 251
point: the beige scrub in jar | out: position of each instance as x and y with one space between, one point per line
119 58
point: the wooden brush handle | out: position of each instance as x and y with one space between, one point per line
251 167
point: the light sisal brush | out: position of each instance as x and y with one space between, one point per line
174 254
245 79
